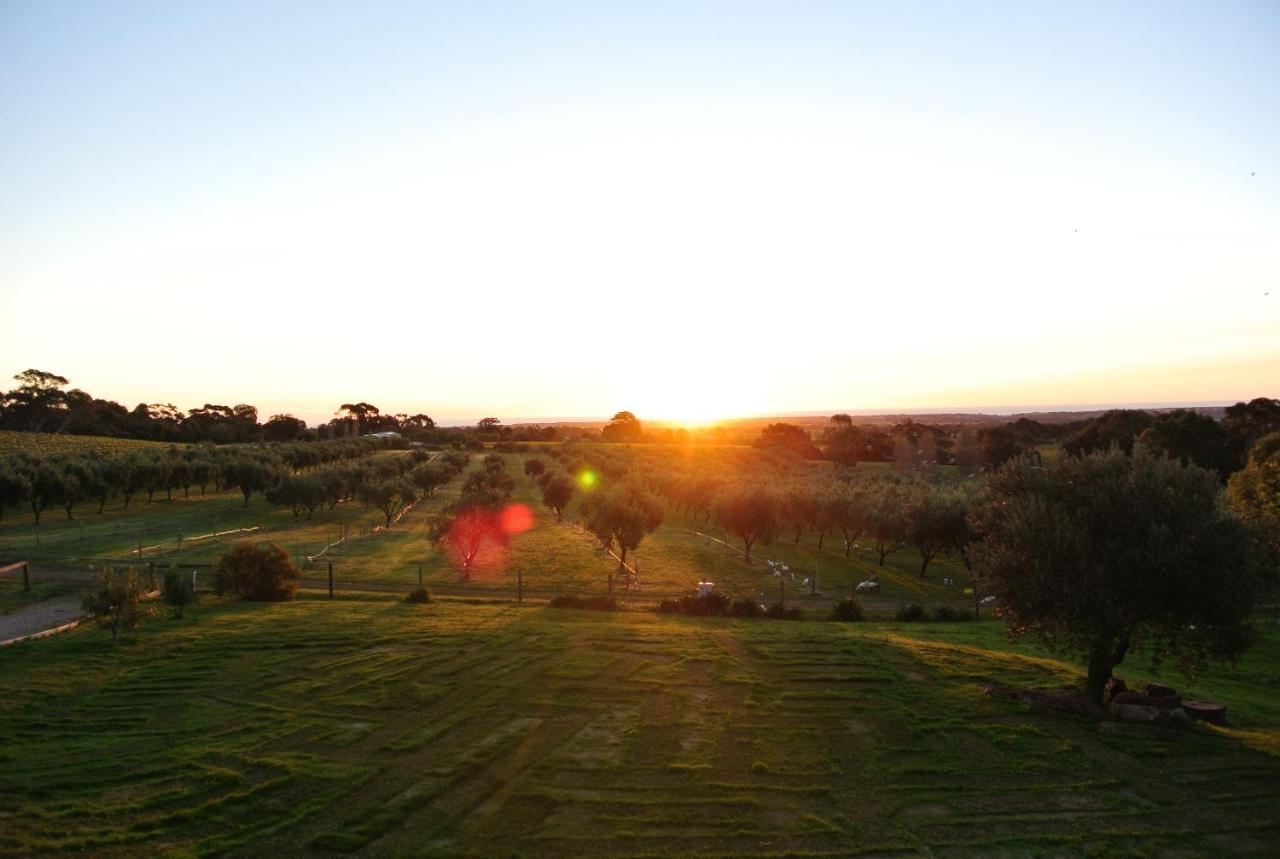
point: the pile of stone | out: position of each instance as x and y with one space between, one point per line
1160 704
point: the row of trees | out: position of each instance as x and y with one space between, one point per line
69 480
1183 434
44 402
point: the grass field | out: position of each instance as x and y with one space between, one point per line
365 725
44 443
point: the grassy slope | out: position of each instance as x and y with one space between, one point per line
368 725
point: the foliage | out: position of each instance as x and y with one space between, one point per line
418 595
622 516
556 493
623 427
1102 553
1192 437
177 591
115 601
789 437
1254 491
778 611
751 515
1118 427
847 609
256 571
910 613
698 605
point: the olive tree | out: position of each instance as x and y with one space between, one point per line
623 516
1105 553
115 600
556 492
751 515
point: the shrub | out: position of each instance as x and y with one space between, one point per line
711 604
778 612
115 600
256 572
177 591
746 608
911 613
947 613
847 609
418 595
596 603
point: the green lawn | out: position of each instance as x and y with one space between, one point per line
366 725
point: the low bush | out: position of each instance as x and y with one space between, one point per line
946 612
711 604
746 608
256 572
847 609
911 613
596 603
418 595
778 612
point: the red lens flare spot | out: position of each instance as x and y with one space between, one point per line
516 519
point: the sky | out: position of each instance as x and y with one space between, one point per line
690 210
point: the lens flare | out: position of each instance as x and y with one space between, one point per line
516 519
587 479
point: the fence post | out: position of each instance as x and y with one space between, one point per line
519 587
26 576
331 580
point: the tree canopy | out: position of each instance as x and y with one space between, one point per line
1101 554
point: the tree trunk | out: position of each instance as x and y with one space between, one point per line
68 507
797 536
924 565
748 543
822 535
1102 661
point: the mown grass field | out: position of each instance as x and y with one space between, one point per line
44 443
366 726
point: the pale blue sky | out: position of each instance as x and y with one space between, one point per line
767 201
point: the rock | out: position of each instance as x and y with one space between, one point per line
1136 713
1206 711
1177 716
1159 690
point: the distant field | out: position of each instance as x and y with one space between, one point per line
50 443
367 726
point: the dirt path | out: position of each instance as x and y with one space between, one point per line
40 616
